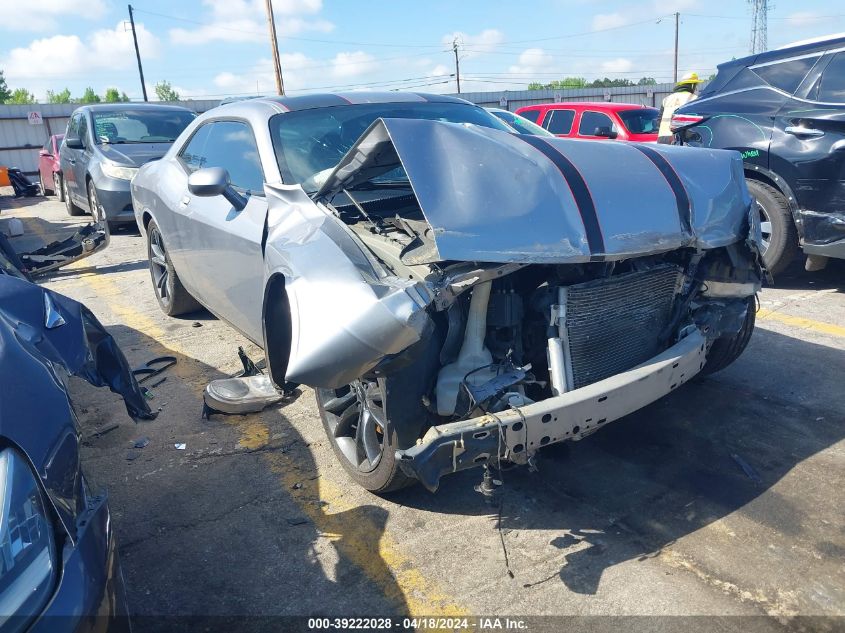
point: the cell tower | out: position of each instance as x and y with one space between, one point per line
759 25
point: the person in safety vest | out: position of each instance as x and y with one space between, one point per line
684 93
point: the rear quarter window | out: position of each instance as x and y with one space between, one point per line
531 115
559 121
786 75
832 86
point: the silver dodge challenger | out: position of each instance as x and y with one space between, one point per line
457 295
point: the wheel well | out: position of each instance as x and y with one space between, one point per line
145 219
277 328
779 184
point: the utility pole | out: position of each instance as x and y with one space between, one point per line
137 53
457 64
274 44
677 20
759 25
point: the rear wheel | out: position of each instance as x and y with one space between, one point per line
780 237
72 209
172 297
44 189
727 349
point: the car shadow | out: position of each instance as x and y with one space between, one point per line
709 449
231 526
832 277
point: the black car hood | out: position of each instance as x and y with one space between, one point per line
45 336
133 154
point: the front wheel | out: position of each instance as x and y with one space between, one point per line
727 349
172 297
780 237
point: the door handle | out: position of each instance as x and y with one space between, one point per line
800 130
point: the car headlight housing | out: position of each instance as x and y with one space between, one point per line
118 171
27 547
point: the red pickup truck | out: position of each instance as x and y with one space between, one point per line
596 120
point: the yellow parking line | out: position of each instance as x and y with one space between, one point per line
361 541
801 322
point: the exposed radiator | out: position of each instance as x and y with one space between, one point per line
613 324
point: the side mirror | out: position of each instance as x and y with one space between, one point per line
605 132
44 152
214 181
74 142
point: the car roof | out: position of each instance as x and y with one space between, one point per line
118 107
804 47
331 99
596 105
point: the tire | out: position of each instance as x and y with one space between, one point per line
726 350
97 211
58 186
72 209
44 189
780 242
171 295
402 418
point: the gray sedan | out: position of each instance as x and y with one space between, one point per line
458 295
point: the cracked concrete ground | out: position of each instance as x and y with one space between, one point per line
654 515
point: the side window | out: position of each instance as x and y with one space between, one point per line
83 130
531 115
193 154
227 144
591 120
787 75
559 121
832 87
73 125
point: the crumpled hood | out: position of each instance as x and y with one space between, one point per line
134 154
490 196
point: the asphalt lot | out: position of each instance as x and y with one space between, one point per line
654 515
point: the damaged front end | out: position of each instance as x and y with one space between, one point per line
553 299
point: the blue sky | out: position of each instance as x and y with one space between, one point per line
215 48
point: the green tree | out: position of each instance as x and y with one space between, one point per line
113 96
536 85
165 92
5 93
89 96
22 95
610 83
58 97
647 81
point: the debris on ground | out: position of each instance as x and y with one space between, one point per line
141 442
250 391
180 447
298 520
133 454
747 469
196 324
158 382
153 368
102 430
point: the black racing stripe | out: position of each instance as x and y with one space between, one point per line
671 176
580 191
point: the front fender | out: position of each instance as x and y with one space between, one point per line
347 312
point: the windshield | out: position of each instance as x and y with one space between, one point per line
140 126
521 124
640 121
309 143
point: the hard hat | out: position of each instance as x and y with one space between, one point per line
690 78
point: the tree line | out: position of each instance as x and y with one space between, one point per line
164 91
581 82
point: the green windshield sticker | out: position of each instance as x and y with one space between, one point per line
750 153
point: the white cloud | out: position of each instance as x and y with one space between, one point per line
802 19
353 64
40 15
618 65
245 20
665 7
440 70
49 62
475 45
531 62
604 21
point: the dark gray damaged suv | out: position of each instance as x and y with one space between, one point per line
104 146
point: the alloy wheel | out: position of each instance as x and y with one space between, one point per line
68 202
765 228
357 422
94 204
158 266
57 183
